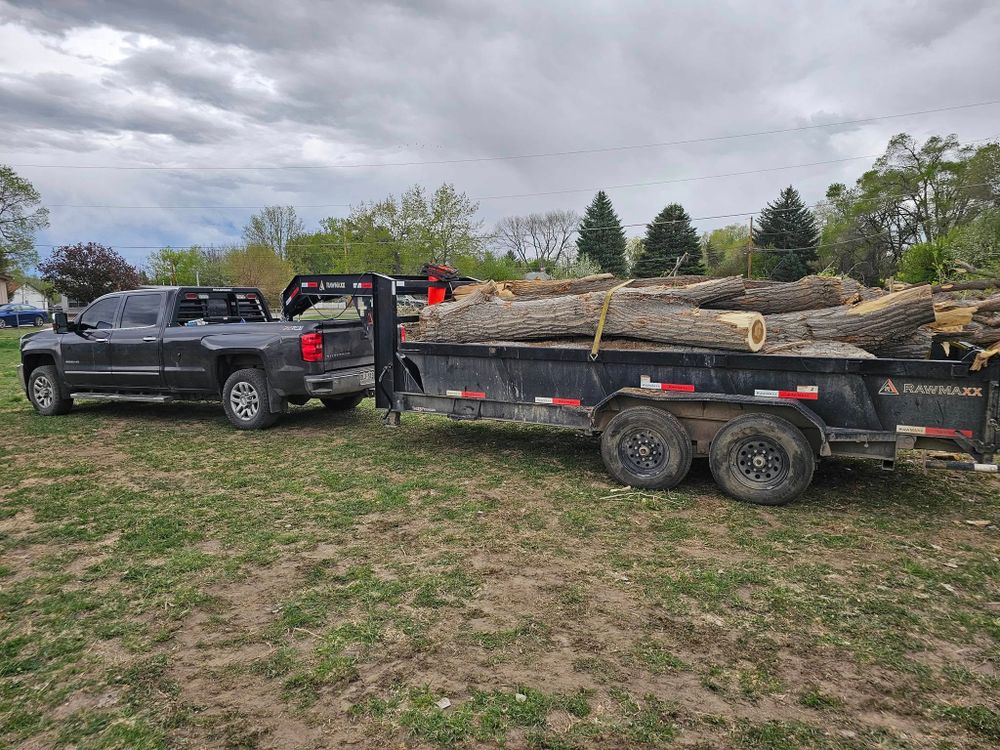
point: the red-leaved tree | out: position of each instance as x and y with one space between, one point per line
85 272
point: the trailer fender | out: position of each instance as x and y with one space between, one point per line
705 413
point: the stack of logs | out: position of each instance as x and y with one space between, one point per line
815 316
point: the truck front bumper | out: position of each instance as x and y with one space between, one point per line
341 382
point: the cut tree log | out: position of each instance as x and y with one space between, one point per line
809 293
819 349
664 315
867 324
950 317
917 345
526 289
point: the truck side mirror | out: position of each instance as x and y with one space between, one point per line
60 323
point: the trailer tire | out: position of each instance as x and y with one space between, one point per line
761 459
343 403
245 400
646 447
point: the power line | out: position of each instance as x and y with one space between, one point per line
511 195
510 157
544 193
362 243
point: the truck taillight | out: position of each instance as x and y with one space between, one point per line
402 334
312 347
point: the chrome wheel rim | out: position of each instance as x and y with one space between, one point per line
760 462
42 391
39 322
643 452
244 400
3 323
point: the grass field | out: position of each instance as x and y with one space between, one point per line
168 582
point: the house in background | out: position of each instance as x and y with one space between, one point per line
4 280
25 294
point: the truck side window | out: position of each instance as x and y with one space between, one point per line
141 310
100 314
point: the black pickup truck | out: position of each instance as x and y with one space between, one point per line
163 344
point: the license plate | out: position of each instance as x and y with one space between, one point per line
368 377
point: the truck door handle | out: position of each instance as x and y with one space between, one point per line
149 338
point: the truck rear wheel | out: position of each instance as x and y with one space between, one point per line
46 392
646 447
761 459
245 401
343 403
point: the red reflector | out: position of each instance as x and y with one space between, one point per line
365 285
190 295
402 334
251 296
310 285
312 347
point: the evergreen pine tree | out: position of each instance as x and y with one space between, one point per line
712 254
786 224
602 238
668 238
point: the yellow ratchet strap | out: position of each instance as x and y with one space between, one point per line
604 315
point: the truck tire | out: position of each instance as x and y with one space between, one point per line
761 459
343 403
245 401
646 447
46 393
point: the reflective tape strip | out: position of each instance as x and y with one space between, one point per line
932 431
645 382
988 468
310 284
465 394
557 401
801 393
293 294
363 285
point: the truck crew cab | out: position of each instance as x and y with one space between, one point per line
162 344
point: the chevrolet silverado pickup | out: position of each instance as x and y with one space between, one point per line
162 344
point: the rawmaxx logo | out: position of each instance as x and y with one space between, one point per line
889 389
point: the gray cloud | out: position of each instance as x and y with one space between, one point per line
252 82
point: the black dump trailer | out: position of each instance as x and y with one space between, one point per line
761 420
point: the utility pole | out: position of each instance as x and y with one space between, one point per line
750 249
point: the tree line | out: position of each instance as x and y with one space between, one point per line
922 212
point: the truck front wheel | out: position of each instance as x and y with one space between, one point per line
46 392
646 447
244 399
762 459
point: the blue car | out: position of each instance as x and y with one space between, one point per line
14 315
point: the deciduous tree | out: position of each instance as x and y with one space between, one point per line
273 227
86 271
21 215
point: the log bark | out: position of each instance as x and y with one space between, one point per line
819 349
663 315
867 324
916 345
526 289
809 293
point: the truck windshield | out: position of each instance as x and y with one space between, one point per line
219 306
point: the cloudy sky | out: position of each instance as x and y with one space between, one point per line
343 87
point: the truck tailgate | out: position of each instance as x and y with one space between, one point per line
346 344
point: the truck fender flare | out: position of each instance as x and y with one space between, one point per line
277 403
774 405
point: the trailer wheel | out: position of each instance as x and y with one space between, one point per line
646 447
343 403
762 459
